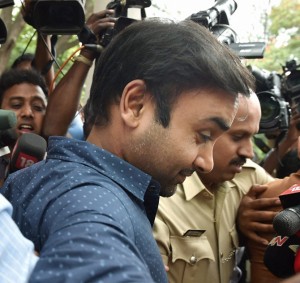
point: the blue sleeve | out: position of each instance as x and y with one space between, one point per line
82 244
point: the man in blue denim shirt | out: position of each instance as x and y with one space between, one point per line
162 94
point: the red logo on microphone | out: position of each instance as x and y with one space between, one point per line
25 160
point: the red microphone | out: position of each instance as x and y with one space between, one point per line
29 149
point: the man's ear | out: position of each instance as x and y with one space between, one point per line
132 103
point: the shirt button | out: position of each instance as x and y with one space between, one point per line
193 259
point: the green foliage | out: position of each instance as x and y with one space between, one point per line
26 43
283 36
285 16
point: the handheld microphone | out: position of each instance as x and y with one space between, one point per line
287 222
29 149
297 259
8 119
280 255
8 137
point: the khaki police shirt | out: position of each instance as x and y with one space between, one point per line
195 229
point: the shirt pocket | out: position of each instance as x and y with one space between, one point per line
190 249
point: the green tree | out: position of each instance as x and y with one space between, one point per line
283 36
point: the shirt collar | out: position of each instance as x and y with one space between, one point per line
126 175
192 186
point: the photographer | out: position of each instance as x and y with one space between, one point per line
280 122
282 160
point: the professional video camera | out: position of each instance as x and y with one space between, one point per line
6 3
275 110
3 31
291 83
55 16
121 12
216 19
277 94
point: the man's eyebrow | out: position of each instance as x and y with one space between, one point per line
221 123
36 97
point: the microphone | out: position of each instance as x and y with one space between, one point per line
297 259
280 255
8 119
8 137
287 222
30 148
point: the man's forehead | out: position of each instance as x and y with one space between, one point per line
25 91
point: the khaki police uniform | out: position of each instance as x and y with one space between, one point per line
196 231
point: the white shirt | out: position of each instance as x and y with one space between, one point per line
17 258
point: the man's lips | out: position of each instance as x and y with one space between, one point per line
25 128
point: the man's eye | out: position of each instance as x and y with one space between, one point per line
15 106
205 136
237 137
38 108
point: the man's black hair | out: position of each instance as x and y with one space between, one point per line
18 76
170 58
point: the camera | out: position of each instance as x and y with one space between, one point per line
3 32
275 112
121 11
276 94
55 16
291 83
216 19
120 7
6 3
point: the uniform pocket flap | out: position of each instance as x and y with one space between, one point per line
191 249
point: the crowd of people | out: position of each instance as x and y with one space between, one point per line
156 183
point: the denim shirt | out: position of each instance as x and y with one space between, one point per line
89 214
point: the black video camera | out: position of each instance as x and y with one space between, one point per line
3 30
291 83
216 19
121 13
277 94
55 16
120 7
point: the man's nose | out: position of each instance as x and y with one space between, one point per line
204 161
246 149
26 111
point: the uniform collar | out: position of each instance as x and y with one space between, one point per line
192 186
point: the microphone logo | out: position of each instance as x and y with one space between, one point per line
25 160
295 188
278 241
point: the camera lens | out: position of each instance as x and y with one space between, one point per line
270 107
274 112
